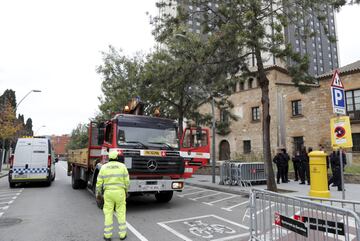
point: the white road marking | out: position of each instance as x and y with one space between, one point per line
1 214
183 237
174 232
64 169
189 188
135 232
4 208
223 199
194 199
9 192
239 204
195 193
6 195
9 202
232 237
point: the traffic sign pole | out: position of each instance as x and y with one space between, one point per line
342 176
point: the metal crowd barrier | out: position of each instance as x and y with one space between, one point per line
348 204
276 216
241 173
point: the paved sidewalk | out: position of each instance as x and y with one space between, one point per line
4 171
292 188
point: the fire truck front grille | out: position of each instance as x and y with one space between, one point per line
156 165
172 153
131 152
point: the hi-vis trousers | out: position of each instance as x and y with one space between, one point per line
114 199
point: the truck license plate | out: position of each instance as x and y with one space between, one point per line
128 162
150 188
151 153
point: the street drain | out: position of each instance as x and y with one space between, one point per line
6 222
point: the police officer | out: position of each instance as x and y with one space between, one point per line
286 160
303 166
113 180
296 164
336 169
279 160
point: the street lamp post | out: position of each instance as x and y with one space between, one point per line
36 91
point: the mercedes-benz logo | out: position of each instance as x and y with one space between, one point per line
152 165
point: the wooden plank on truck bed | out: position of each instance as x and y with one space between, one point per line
79 156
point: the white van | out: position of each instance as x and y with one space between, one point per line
32 161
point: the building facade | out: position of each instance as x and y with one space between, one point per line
296 119
59 144
322 53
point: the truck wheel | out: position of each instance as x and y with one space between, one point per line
74 182
164 197
53 178
82 184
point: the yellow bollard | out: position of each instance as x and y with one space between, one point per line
318 175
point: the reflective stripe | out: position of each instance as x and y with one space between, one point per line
108 226
114 184
114 175
107 232
120 224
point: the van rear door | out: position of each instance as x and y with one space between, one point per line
22 158
39 159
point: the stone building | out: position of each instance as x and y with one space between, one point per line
296 119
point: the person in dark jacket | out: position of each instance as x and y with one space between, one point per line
308 165
279 160
336 169
296 164
286 160
304 163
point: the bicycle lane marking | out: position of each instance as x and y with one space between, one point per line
133 230
207 227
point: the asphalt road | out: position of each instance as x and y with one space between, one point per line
59 213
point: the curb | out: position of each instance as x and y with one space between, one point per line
232 191
220 189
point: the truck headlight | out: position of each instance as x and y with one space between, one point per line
177 185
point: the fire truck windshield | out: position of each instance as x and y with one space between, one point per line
146 138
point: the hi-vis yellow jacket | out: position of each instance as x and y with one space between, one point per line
112 176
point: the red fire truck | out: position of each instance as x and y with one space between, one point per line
148 146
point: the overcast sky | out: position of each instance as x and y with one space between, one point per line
55 46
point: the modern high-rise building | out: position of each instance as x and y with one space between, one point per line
322 53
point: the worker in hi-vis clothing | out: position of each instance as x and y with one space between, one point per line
113 182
